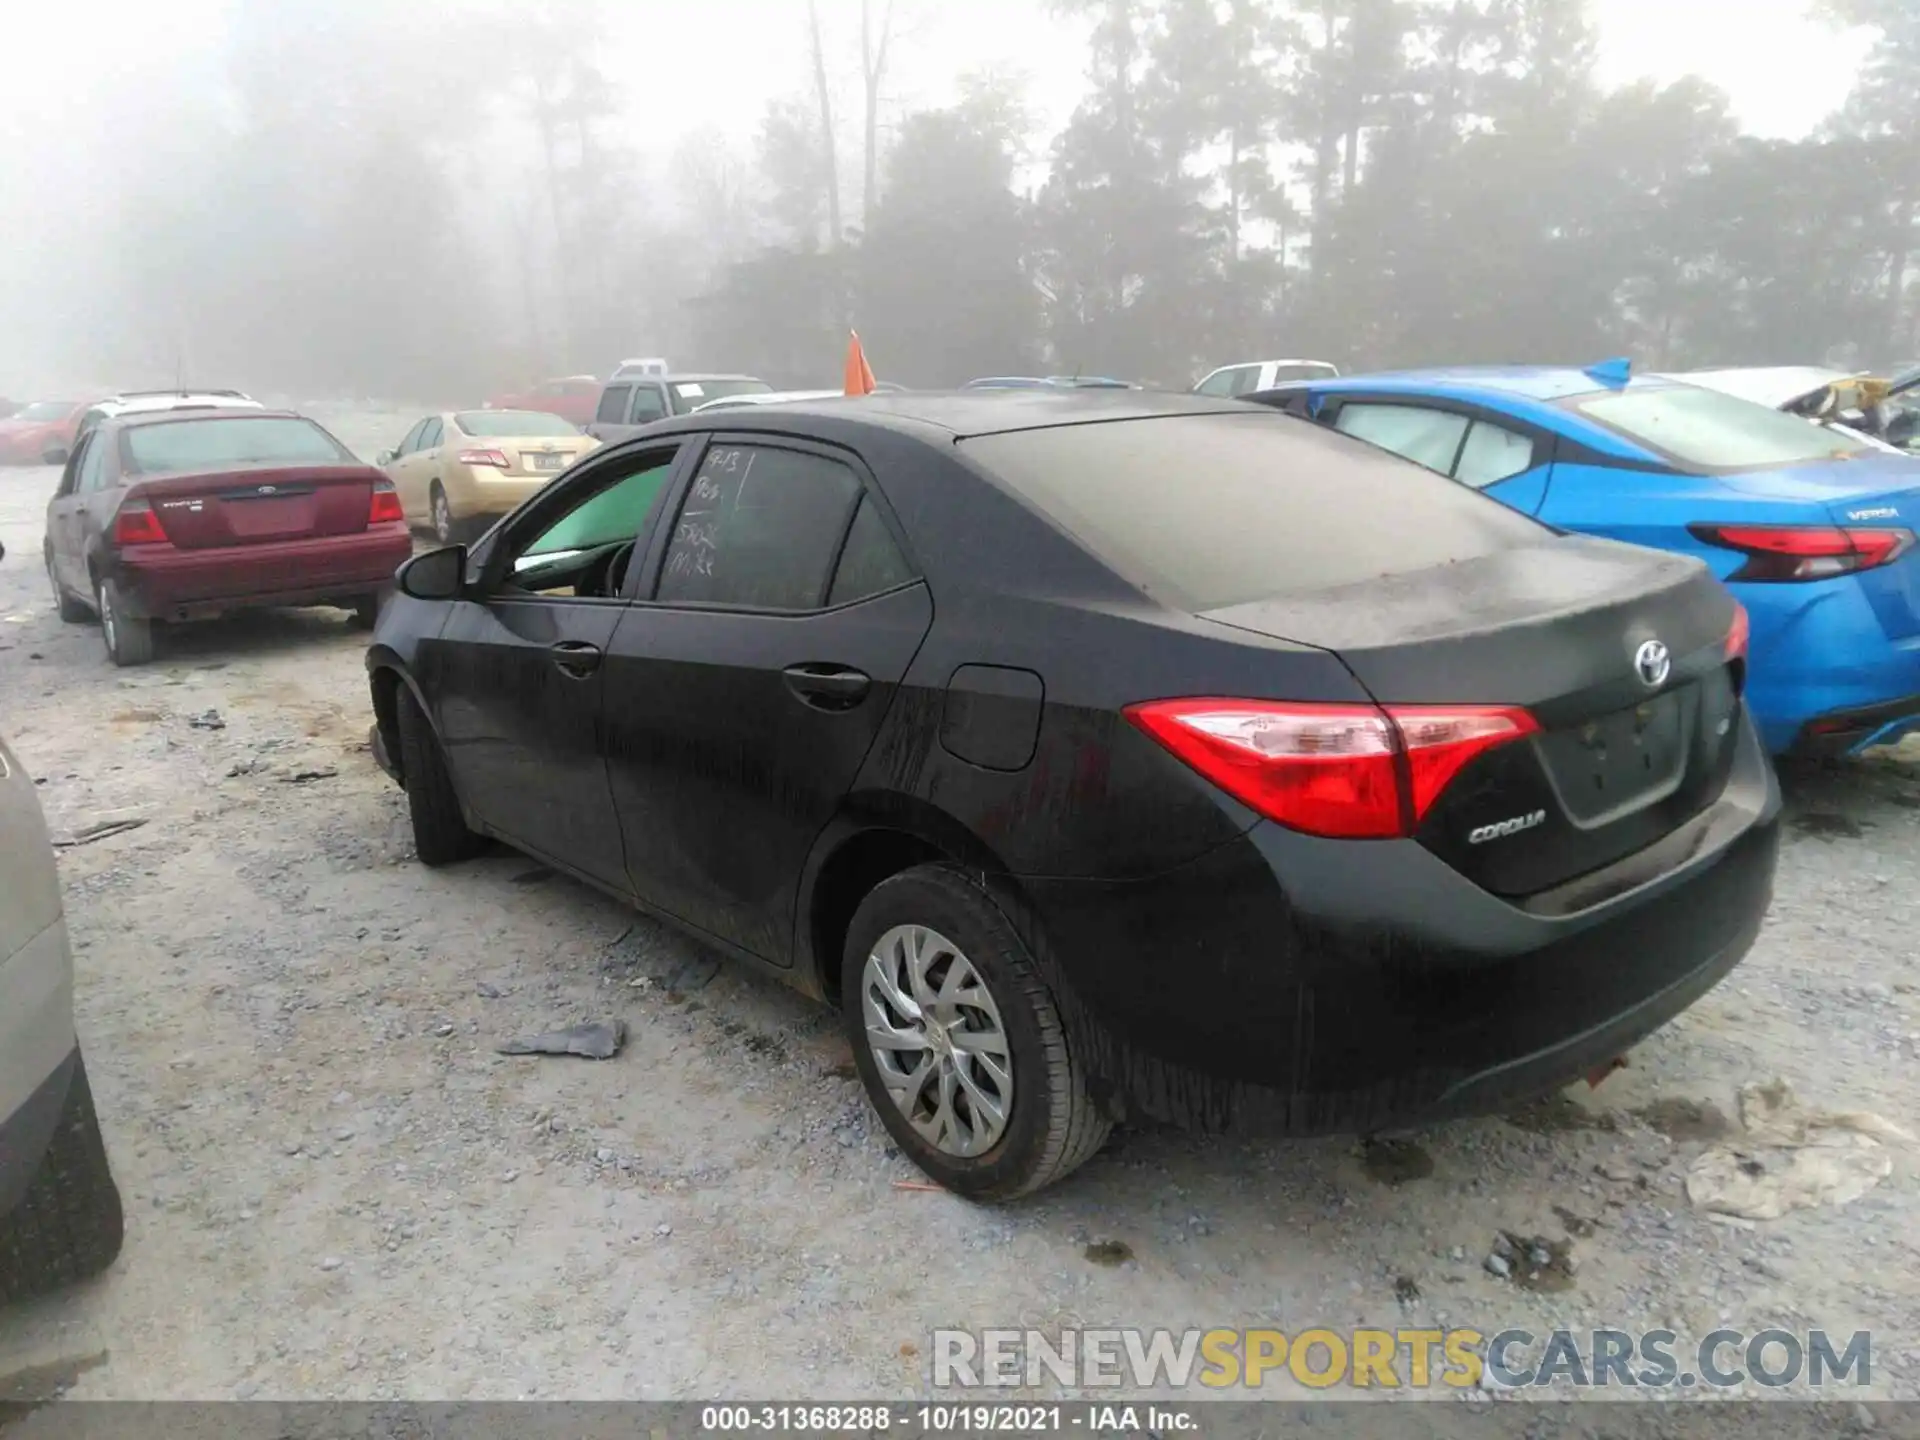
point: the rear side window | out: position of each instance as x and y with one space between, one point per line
613 405
1426 437
1492 454
92 466
182 446
870 562
759 529
1716 431
1202 511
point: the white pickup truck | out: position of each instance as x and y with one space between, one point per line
1249 376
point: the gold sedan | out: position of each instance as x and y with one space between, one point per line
459 471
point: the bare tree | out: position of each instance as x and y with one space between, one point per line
873 71
828 149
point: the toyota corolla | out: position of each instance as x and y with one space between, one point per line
1105 753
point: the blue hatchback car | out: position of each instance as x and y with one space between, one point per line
1812 528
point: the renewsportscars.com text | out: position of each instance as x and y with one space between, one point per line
1396 1359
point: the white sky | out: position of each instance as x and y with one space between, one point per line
717 62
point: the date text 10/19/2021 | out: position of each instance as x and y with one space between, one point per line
957 1419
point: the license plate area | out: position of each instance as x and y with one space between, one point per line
542 461
1613 764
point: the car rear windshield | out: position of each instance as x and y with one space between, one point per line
1203 511
42 410
1712 431
494 424
183 446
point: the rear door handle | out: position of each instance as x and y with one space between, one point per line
828 687
575 658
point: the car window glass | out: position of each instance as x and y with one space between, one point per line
1492 454
430 437
870 561
648 405
70 476
1705 427
1244 379
613 405
412 442
1427 437
93 466
1220 383
612 513
759 529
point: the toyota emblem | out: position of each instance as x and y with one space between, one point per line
1653 664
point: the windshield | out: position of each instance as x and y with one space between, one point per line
1713 431
185 446
44 410
694 392
494 424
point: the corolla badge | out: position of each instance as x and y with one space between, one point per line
1653 664
1505 828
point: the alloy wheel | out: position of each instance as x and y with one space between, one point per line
442 519
937 1040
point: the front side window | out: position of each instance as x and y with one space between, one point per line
1492 454
430 436
759 529
609 515
1715 431
613 405
412 442
1225 383
229 443
93 465
648 405
1426 437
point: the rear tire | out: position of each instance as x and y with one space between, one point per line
440 515
1051 1125
440 833
69 1224
71 610
129 641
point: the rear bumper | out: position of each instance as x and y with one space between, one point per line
1848 732
161 582
1824 652
1300 986
478 495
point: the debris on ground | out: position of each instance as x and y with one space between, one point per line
600 1040
211 720
1791 1157
303 777
101 829
1533 1262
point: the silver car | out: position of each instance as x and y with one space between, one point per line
60 1217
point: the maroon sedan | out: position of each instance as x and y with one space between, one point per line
183 515
572 398
29 434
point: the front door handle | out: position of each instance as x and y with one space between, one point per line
575 658
828 687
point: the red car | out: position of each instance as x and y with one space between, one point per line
29 433
572 398
183 515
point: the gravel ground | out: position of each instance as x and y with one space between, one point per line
336 1188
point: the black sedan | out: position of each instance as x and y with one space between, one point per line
1105 754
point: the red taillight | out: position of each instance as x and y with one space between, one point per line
1806 552
385 507
485 457
136 524
1741 632
1351 772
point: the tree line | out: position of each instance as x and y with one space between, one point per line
1375 182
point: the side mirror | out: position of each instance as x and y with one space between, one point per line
54 455
436 575
384 458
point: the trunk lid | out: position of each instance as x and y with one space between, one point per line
247 507
1563 628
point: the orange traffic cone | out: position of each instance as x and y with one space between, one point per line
859 373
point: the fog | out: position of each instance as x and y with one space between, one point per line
434 200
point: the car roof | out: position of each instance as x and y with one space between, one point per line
961 414
134 402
